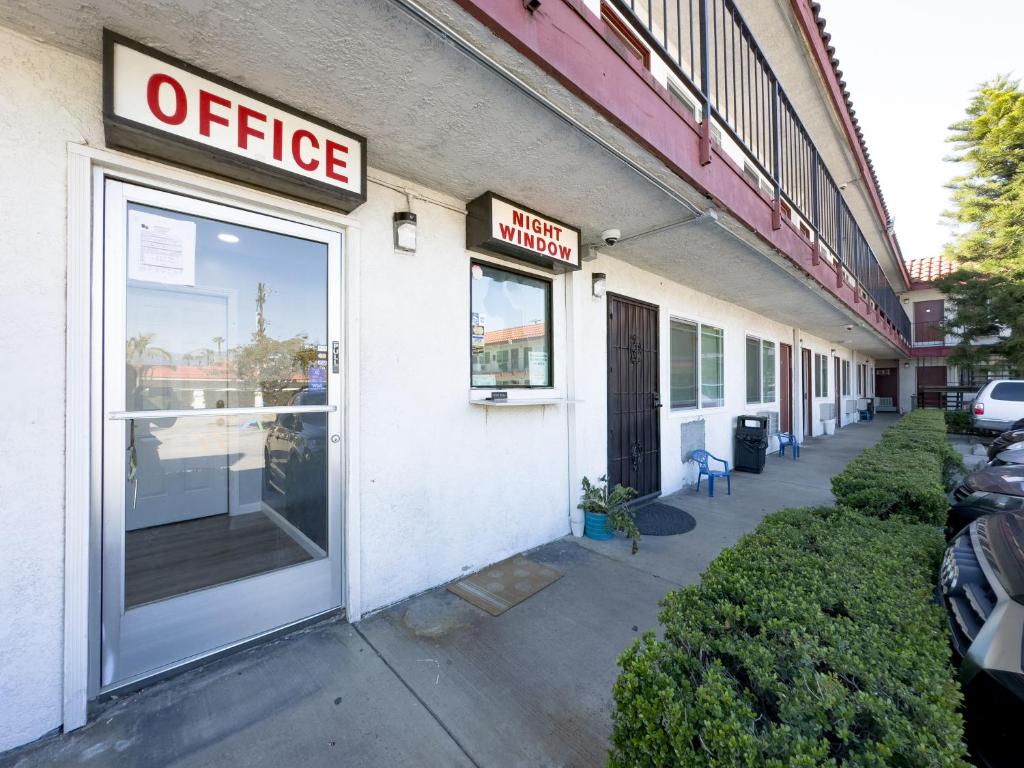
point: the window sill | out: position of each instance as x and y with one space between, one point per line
520 398
522 402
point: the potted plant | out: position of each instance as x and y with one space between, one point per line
608 511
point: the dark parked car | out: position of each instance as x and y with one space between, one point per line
1005 440
295 467
988 491
981 586
1012 455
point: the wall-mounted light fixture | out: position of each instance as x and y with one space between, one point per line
531 5
405 231
600 281
832 351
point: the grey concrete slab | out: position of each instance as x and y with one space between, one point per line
531 687
320 697
435 681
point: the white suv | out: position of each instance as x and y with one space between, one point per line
999 404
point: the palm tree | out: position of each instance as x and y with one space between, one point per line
139 346
218 340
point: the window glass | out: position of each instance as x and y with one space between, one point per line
768 371
846 377
510 329
1008 390
683 377
712 366
753 370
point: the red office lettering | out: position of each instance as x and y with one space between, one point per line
206 116
506 232
542 244
528 240
278 140
177 117
549 230
333 148
244 129
517 217
535 225
552 247
297 137
565 252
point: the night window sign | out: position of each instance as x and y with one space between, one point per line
160 106
497 225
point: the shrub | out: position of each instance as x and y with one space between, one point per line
811 642
905 474
959 422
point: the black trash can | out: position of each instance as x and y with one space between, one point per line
751 443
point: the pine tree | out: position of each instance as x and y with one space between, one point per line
986 290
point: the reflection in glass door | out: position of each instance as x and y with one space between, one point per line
222 428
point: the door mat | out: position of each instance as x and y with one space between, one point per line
658 519
498 587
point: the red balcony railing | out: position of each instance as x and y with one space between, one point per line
710 48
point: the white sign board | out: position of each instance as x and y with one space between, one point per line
165 107
497 225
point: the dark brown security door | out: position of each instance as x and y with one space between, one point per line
634 398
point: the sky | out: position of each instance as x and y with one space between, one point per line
911 67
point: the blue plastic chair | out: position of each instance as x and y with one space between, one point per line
788 438
701 457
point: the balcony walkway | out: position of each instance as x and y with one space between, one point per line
433 681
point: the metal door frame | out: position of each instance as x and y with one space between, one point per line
657 383
255 604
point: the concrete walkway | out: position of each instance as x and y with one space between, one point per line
434 681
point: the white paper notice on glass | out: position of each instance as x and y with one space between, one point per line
161 250
538 369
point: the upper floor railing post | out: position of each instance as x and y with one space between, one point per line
705 84
815 206
776 158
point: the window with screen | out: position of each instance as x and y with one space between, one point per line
712 367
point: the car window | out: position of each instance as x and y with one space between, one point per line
1008 390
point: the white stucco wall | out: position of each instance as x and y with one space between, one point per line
47 99
448 487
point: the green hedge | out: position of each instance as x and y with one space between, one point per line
905 474
811 642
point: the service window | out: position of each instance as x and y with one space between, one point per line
510 329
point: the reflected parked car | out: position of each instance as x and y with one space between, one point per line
1004 441
999 405
981 586
992 490
295 467
1014 454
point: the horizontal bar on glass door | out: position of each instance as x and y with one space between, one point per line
128 415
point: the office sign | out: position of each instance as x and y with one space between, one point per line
160 106
497 225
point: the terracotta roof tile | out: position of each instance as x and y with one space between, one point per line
929 269
534 330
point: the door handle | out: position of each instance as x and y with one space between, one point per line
655 400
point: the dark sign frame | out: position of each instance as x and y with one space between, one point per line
123 133
480 226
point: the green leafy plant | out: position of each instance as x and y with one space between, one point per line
597 499
905 474
813 642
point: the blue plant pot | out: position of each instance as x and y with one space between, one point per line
596 527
